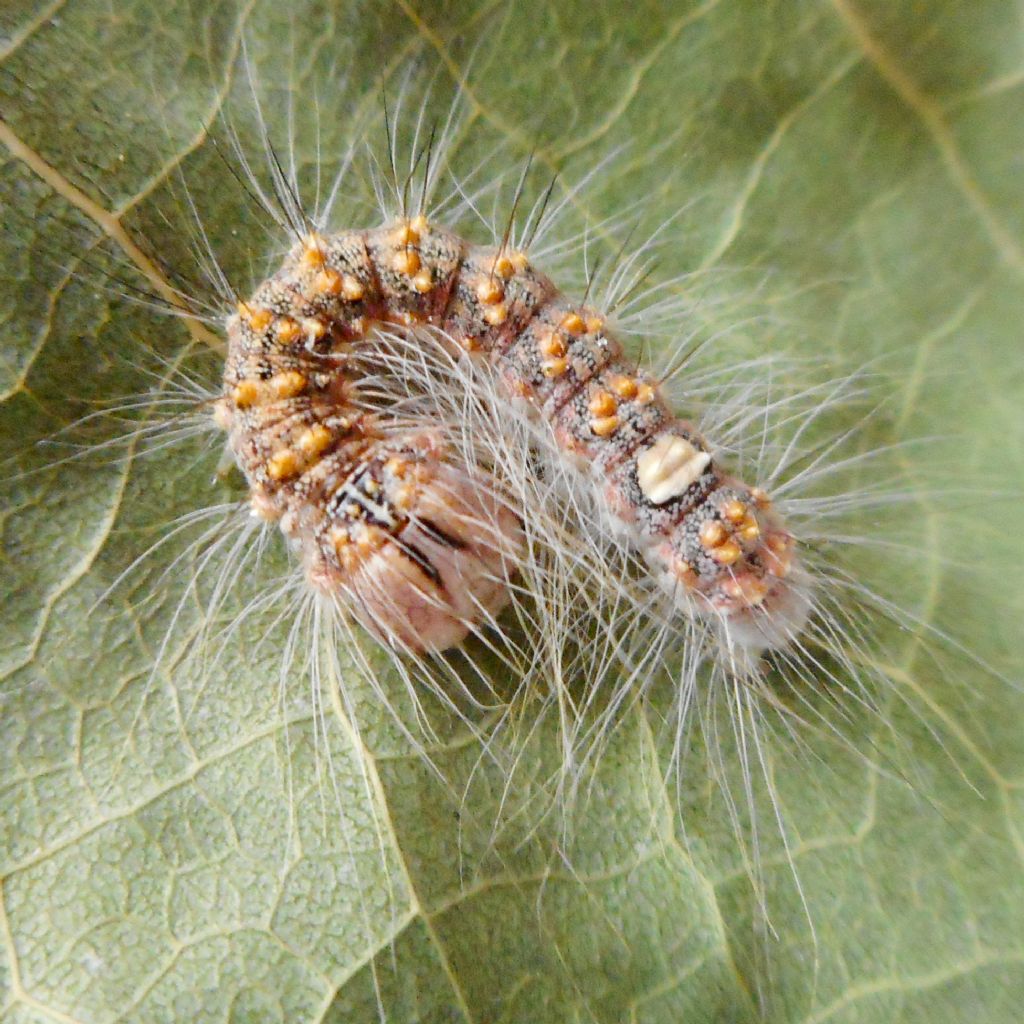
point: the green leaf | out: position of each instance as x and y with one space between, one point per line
182 845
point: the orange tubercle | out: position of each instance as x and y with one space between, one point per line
605 426
497 314
287 384
287 331
314 441
573 323
624 387
712 533
245 393
352 289
488 291
727 553
745 588
406 262
602 404
328 282
315 329
749 530
553 346
735 511
313 254
283 464
504 267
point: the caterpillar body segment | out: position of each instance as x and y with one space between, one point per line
424 548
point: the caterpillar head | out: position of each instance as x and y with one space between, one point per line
422 549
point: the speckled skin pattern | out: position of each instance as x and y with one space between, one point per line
424 550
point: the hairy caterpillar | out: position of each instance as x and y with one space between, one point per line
407 366
440 432
593 630
375 511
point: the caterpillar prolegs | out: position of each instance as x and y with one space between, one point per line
424 550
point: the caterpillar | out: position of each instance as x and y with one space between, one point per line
464 460
440 433
376 512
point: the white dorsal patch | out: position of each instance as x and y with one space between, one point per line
666 469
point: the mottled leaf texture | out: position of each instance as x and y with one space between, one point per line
189 847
